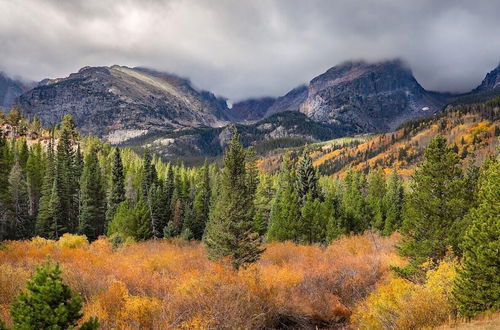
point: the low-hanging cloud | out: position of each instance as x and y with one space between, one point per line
243 49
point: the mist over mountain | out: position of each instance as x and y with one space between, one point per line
10 89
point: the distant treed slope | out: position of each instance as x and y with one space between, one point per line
473 129
280 130
123 101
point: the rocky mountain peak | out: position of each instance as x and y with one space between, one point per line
368 96
104 100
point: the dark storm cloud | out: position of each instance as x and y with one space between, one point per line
251 48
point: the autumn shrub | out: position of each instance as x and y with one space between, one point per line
73 241
401 304
12 280
171 283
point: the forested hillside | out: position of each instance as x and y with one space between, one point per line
472 130
370 248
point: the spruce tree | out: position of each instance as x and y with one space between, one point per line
263 203
435 207
376 193
5 167
201 203
66 184
331 214
307 178
46 213
149 175
229 232
142 220
130 220
34 177
393 204
157 206
48 303
117 190
92 210
477 286
312 227
354 208
21 224
284 219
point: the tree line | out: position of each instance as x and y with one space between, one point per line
81 185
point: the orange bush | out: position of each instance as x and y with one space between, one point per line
171 284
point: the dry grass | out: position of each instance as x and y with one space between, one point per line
488 321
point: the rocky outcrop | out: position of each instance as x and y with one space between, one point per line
103 100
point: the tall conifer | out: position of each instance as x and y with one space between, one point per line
477 286
230 229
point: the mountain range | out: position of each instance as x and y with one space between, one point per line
139 106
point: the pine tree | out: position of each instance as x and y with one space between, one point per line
21 226
22 152
92 210
393 204
263 203
66 212
34 177
376 193
117 191
174 226
5 203
477 286
307 178
331 215
201 203
143 221
157 206
149 175
48 303
312 227
229 232
46 212
435 207
284 219
353 205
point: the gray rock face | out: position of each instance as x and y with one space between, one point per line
10 89
375 97
369 97
103 100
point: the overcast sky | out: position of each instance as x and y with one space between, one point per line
252 48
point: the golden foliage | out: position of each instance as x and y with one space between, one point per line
400 304
171 284
73 241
